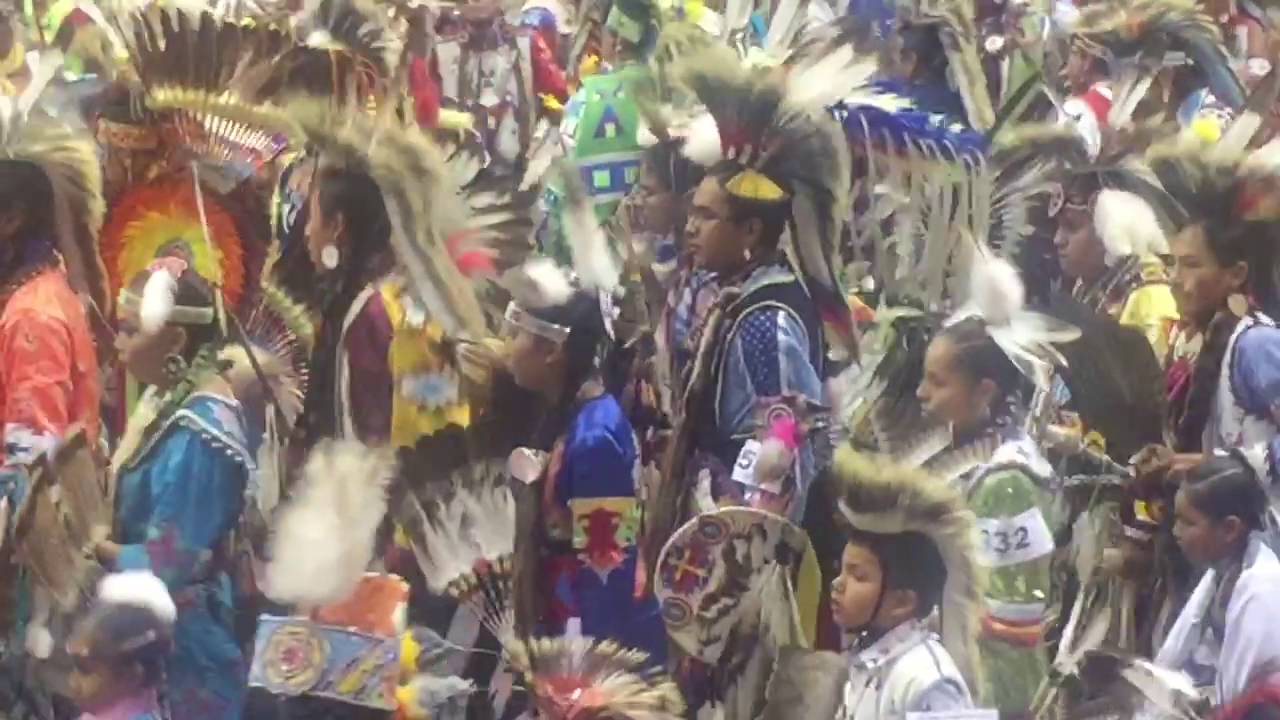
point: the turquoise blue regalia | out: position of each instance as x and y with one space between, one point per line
179 496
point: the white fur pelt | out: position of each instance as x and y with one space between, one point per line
324 537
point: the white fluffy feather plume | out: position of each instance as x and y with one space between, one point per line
138 588
702 141
158 298
996 290
539 283
324 538
1127 225
593 260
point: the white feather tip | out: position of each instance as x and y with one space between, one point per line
158 299
1127 225
138 588
996 290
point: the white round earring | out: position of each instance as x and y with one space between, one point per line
330 256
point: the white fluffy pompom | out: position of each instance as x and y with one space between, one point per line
996 290
1127 225
138 588
158 298
702 144
324 538
539 283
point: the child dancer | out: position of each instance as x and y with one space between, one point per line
121 647
1227 632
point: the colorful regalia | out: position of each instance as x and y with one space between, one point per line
910 668
49 381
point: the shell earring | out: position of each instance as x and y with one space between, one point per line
330 256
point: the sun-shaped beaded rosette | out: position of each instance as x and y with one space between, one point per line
583 679
148 220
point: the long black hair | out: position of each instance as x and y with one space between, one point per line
24 188
123 635
1216 207
366 258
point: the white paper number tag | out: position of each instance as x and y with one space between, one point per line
974 714
1013 540
744 470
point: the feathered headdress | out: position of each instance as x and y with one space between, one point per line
883 498
786 150
956 24
580 678
998 298
324 538
168 217
420 196
69 160
347 49
1138 38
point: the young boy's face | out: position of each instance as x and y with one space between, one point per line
855 592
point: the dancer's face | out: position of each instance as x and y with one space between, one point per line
144 355
1080 252
949 394
1201 284
856 591
1203 539
535 362
717 241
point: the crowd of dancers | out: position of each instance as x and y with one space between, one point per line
639 359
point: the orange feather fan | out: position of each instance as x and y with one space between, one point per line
148 219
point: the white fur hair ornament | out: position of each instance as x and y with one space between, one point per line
1127 225
998 297
159 294
138 588
324 539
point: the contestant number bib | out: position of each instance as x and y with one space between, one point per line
1013 540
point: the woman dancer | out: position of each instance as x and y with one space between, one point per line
182 468
975 373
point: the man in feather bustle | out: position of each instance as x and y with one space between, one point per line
775 189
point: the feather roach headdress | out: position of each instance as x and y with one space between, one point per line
347 49
580 678
997 296
883 498
1137 39
68 158
775 134
418 190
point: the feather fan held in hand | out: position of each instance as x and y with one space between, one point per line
580 679
459 517
785 148
324 538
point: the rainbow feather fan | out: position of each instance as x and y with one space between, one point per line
149 219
